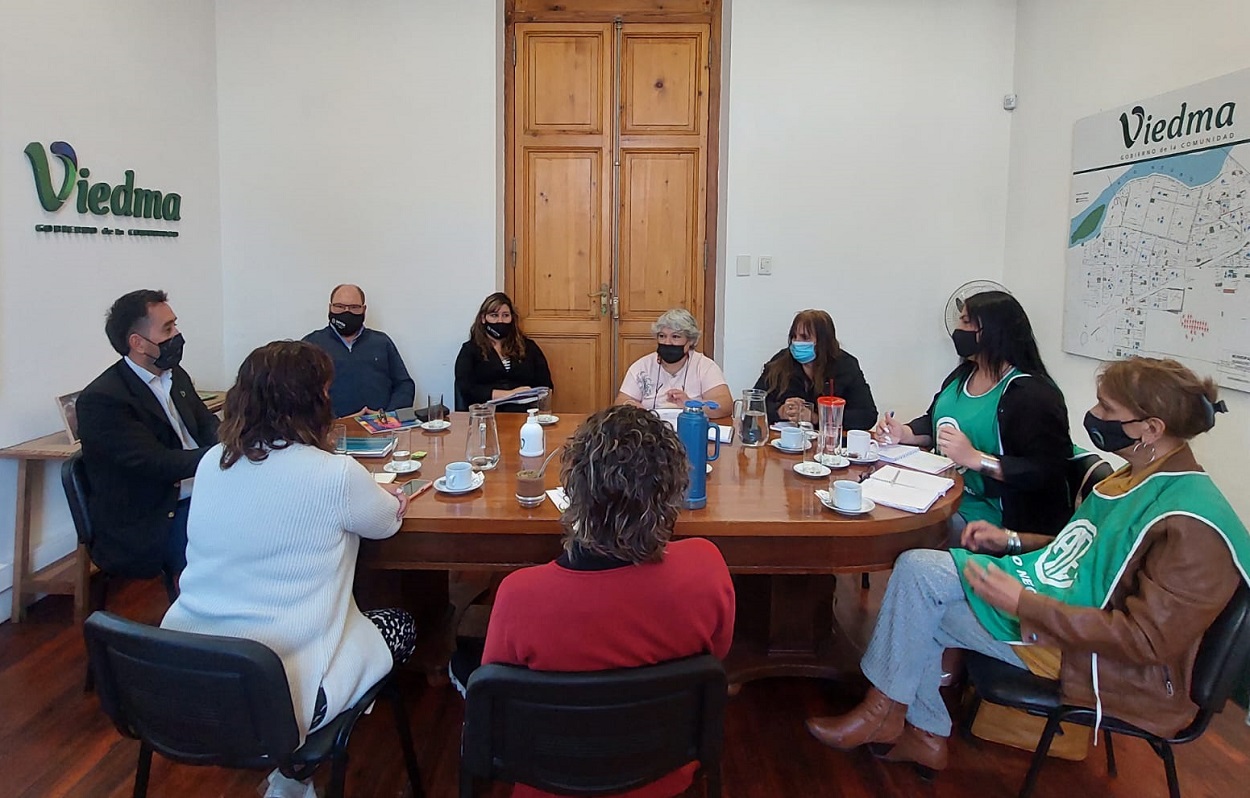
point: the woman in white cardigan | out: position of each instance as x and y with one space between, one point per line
276 520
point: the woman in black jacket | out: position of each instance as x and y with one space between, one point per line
815 365
1001 418
498 360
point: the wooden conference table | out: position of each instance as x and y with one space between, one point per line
781 543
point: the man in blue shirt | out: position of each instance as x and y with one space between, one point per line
369 374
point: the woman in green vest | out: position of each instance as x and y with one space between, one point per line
1124 592
1001 418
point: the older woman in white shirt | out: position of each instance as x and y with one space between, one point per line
272 539
675 373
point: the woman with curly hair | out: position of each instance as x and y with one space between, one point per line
499 360
622 594
272 540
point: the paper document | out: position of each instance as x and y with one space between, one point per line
724 432
906 490
558 498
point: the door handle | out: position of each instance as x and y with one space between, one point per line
604 293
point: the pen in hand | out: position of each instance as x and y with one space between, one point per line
886 438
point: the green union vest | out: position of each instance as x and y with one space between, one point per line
976 417
1085 561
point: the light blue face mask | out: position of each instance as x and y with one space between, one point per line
803 351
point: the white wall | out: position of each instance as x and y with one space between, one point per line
359 143
1074 59
131 85
867 153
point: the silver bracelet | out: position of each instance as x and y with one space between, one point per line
1014 546
992 467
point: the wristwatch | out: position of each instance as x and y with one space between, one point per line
1014 546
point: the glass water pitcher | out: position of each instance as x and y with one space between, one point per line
481 447
751 418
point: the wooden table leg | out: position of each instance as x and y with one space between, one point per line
21 539
786 627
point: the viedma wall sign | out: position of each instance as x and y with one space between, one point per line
112 202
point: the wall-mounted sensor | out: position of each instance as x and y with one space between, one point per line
1009 102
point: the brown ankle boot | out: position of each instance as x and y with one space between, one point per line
877 719
928 752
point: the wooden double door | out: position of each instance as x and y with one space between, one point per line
608 182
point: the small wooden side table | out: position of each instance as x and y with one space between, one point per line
63 576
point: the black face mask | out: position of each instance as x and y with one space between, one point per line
170 353
499 330
966 343
670 353
1107 434
347 323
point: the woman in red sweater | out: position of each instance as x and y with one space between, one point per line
625 473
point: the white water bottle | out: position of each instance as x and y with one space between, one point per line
533 437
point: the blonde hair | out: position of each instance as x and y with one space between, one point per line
1163 389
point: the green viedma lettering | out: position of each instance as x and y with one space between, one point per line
1090 224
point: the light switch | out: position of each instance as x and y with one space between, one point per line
744 265
766 264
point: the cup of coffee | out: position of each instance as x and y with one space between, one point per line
860 444
793 437
458 476
529 487
848 495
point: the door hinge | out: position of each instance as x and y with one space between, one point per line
705 254
513 253
514 48
711 48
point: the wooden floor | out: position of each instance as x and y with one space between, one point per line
54 741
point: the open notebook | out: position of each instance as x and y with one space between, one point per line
917 458
904 489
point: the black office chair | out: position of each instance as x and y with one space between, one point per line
1223 658
206 700
593 733
1084 471
457 398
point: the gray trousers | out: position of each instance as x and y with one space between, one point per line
924 612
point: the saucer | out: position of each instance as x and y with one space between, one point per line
402 467
547 420
867 506
867 459
776 444
436 426
813 470
440 484
833 460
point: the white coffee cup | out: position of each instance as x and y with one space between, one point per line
847 495
458 476
792 438
860 444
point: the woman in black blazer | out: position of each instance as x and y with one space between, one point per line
498 360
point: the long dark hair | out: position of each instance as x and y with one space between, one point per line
281 397
514 345
625 473
783 368
1006 334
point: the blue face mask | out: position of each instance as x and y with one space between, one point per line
803 351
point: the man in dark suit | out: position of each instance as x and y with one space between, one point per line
143 430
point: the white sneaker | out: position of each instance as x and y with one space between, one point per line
282 787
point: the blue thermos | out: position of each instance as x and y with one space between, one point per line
692 427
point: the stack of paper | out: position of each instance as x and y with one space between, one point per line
905 490
368 447
521 397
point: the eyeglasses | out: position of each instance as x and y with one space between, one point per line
339 307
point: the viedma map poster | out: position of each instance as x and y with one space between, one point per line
1159 243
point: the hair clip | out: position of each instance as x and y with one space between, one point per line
1212 408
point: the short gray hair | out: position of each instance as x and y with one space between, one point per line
678 320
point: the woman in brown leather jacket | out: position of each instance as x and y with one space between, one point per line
1126 589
